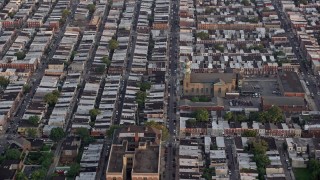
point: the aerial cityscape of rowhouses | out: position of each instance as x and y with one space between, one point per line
159 89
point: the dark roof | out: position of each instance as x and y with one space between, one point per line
283 101
290 82
6 173
211 77
37 143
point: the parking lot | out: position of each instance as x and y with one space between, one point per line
261 86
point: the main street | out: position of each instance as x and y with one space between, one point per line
173 61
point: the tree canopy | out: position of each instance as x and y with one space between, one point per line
200 99
39 174
144 86
31 132
228 116
34 120
201 115
113 44
65 13
20 55
12 154
26 88
272 115
52 98
111 130
4 82
106 60
91 8
21 176
57 134
74 170
314 168
249 133
203 35
259 148
94 113
46 159
141 97
164 129
84 134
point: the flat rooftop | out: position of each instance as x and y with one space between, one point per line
290 82
146 160
116 158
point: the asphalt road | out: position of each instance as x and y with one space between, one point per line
170 172
284 157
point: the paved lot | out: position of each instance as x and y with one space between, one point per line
265 86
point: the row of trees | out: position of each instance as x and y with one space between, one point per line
259 148
200 99
141 95
272 115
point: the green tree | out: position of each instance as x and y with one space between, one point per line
140 98
4 82
65 13
275 114
164 129
228 116
11 14
34 120
52 98
245 2
62 21
57 134
106 60
219 47
242 118
94 113
203 35
73 54
195 99
13 154
204 99
74 170
113 44
314 168
20 55
259 149
91 8
46 159
31 132
202 115
39 174
284 146
208 173
111 130
144 86
26 88
249 133
21 176
84 134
